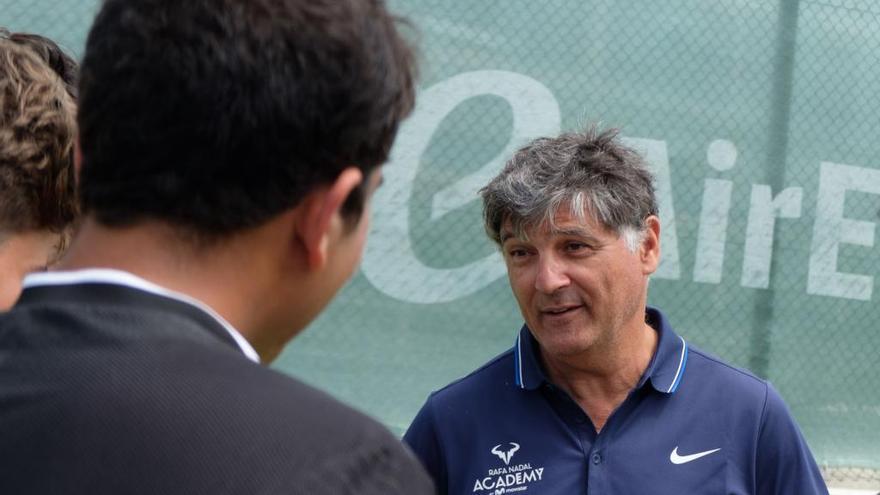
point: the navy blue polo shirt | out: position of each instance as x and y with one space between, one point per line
692 425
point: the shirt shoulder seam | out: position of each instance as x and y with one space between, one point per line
729 366
492 362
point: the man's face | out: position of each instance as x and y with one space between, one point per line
577 285
21 254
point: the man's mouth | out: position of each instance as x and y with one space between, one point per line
560 310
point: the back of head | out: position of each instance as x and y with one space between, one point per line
37 133
213 116
59 61
589 172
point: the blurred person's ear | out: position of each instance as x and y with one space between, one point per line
320 219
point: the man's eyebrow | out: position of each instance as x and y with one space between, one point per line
575 232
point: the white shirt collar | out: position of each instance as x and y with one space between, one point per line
119 277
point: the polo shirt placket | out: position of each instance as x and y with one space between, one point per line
662 376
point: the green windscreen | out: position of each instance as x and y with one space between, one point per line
759 118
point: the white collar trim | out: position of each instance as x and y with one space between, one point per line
119 277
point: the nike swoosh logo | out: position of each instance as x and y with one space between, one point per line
683 459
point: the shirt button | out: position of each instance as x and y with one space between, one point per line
597 458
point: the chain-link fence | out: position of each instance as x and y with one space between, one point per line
759 117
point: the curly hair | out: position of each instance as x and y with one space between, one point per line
59 61
37 133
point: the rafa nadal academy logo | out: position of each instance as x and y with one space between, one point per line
508 478
505 455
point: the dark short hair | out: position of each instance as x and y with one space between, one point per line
37 134
216 115
590 172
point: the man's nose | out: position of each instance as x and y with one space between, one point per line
551 275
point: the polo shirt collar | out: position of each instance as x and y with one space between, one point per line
670 360
527 363
664 371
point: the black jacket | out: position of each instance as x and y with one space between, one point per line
106 389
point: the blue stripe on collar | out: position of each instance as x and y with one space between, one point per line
517 360
682 364
667 367
527 366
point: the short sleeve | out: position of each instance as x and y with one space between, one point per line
422 438
784 462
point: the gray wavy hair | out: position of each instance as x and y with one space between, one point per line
589 172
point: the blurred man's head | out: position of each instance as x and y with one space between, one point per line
217 115
37 134
216 118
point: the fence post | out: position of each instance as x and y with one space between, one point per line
780 117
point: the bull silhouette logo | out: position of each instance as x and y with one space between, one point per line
505 455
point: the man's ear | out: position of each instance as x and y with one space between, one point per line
649 249
320 215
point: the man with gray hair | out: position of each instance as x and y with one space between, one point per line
599 394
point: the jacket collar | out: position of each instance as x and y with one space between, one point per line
126 286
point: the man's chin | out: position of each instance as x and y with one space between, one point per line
564 347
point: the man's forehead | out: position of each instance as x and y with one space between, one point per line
563 223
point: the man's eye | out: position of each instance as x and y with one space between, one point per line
575 246
517 253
